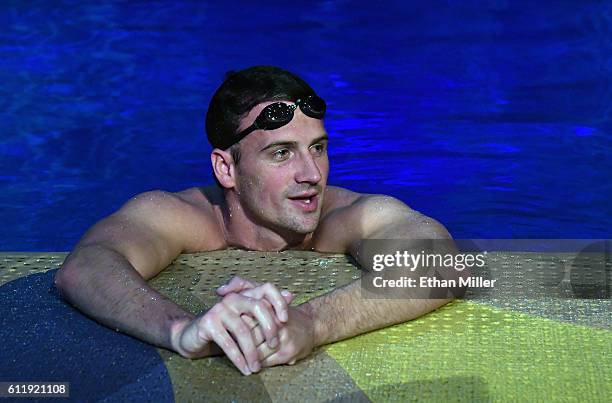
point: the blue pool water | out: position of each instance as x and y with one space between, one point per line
491 116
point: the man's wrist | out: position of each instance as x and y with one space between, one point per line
176 329
318 328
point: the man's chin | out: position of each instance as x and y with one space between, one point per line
305 230
305 226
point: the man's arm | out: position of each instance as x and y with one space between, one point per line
105 277
105 274
345 312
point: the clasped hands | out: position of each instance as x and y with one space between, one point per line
253 325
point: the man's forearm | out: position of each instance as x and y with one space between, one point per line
104 285
360 306
344 313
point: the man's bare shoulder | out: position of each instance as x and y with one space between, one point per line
339 218
201 197
338 198
342 202
186 201
351 216
189 212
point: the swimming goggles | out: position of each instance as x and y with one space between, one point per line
279 114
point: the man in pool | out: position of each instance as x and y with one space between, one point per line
270 162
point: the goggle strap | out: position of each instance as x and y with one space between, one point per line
303 105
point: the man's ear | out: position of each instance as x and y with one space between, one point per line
223 168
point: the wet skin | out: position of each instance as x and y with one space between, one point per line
275 198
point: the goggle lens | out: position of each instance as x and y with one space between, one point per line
279 114
313 107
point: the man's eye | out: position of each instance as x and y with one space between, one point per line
281 154
318 149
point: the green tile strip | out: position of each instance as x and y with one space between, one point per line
500 345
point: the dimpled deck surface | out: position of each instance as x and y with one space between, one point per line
526 339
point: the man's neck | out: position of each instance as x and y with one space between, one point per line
242 232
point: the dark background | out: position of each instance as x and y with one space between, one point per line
491 116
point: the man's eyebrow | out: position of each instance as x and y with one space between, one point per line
293 143
320 138
278 143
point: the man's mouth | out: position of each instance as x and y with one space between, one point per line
306 202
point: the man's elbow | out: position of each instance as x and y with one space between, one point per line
65 278
70 274
453 273
432 229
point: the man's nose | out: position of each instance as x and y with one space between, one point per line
309 170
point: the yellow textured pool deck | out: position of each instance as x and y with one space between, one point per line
501 345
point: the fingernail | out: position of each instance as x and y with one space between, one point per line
255 367
285 293
273 342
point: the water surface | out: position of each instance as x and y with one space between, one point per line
493 117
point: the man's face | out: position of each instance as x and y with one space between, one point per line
282 173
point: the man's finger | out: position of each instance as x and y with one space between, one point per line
267 322
261 311
256 331
263 352
271 358
222 338
242 334
280 301
236 284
